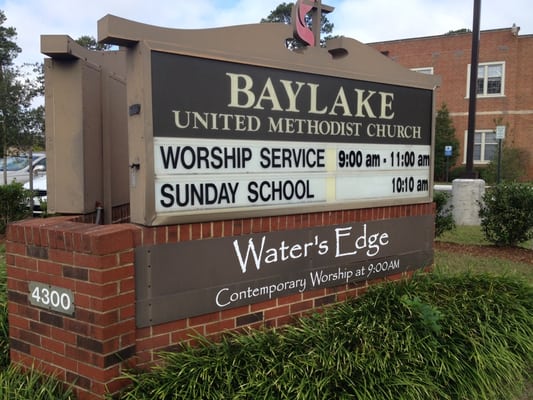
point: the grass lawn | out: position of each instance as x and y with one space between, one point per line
469 235
448 262
472 235
451 263
456 262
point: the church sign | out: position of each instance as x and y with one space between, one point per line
226 128
221 128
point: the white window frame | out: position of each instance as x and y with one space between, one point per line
482 160
423 70
485 78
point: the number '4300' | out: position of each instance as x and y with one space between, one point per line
51 297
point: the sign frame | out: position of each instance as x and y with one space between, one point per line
355 62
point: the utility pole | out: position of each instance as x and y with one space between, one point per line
3 125
468 192
4 145
470 174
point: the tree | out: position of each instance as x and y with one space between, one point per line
515 163
283 14
458 31
8 48
8 51
18 119
444 136
90 43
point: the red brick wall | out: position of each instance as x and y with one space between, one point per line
91 348
96 263
449 55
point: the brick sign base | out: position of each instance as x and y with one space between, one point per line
71 293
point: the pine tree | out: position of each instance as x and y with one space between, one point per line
444 136
19 121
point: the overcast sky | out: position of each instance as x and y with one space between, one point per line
364 20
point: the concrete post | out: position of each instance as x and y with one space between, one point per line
467 194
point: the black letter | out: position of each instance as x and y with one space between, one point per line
165 189
170 156
252 190
265 156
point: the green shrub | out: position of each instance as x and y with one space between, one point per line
444 218
432 337
13 204
506 213
514 166
460 171
4 335
19 385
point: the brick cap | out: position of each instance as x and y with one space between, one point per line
65 233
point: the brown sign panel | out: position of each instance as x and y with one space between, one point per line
176 281
211 99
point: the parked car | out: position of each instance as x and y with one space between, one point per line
38 203
18 167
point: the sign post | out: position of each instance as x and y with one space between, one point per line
500 135
447 154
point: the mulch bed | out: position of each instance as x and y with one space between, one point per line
518 254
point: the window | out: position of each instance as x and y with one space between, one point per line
425 70
14 163
485 146
490 79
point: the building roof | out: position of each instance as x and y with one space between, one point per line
515 29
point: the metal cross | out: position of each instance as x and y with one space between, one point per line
316 17
300 9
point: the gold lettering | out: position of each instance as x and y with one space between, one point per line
291 94
386 104
313 100
362 103
245 90
268 93
341 101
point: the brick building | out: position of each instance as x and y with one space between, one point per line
505 85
